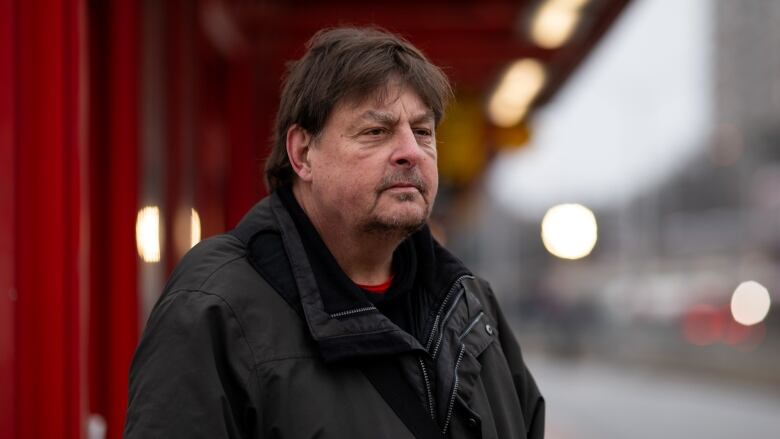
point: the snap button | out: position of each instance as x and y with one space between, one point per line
489 329
472 422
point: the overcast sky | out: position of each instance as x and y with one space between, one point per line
637 110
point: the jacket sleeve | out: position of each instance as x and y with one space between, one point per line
191 371
531 399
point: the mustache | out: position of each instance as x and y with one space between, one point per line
410 178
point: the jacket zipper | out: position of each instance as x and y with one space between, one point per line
437 320
352 311
454 390
443 322
429 394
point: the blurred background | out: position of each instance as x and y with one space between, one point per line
611 166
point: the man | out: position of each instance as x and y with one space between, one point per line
330 311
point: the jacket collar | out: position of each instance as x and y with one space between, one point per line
339 294
341 320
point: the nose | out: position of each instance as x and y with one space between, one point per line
406 152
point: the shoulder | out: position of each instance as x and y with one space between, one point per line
216 263
219 267
202 291
484 292
218 255
216 286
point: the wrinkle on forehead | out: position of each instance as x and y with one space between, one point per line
384 96
381 113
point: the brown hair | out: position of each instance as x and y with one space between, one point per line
347 64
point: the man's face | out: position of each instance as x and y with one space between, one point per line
374 164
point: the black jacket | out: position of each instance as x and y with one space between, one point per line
247 343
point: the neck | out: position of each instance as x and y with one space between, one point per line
365 257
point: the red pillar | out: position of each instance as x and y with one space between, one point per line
211 151
243 183
181 103
114 147
47 88
7 223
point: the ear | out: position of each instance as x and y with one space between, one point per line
298 146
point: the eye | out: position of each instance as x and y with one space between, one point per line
423 132
376 131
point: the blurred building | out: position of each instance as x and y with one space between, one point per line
658 288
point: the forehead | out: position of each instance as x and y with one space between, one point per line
392 98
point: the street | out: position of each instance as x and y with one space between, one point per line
589 400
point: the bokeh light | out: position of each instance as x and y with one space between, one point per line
518 87
147 233
555 22
750 303
569 231
194 227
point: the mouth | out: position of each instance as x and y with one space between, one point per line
405 184
402 189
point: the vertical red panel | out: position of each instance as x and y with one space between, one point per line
267 91
77 77
243 177
99 338
40 206
176 89
122 286
7 224
265 115
181 106
211 149
114 147
48 319
123 204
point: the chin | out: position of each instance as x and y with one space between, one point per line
393 230
399 224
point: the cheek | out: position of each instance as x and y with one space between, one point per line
347 185
430 170
431 174
433 189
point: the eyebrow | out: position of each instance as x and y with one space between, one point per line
390 119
